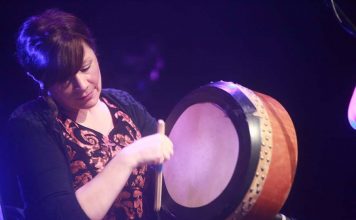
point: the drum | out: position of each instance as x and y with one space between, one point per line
235 155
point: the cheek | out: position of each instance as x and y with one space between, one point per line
96 77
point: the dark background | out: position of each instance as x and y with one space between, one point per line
293 51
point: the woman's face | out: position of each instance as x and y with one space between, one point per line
81 91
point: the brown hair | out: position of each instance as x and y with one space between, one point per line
50 46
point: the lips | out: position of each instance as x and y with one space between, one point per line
87 97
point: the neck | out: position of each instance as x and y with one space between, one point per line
94 112
81 115
97 118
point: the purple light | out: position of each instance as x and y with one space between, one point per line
154 75
155 72
1 215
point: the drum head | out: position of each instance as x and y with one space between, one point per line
214 133
199 172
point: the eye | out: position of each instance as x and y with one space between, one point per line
85 68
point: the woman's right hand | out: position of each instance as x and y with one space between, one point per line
152 149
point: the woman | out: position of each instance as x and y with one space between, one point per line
81 152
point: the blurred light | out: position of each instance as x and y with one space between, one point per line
154 75
352 110
344 18
1 215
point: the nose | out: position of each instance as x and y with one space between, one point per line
80 82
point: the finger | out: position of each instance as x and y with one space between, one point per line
161 126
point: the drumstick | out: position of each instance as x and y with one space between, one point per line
159 176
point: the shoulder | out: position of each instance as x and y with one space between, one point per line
34 114
123 100
33 110
36 126
120 96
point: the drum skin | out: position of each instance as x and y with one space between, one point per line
262 168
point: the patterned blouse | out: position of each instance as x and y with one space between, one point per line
89 151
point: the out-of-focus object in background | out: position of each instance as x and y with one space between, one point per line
1 216
344 11
352 110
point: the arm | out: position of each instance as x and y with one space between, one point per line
97 196
46 180
43 172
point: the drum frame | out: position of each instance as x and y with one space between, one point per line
240 110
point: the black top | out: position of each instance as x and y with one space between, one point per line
42 162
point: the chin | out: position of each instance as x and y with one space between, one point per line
90 103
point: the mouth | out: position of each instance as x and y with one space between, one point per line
87 96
